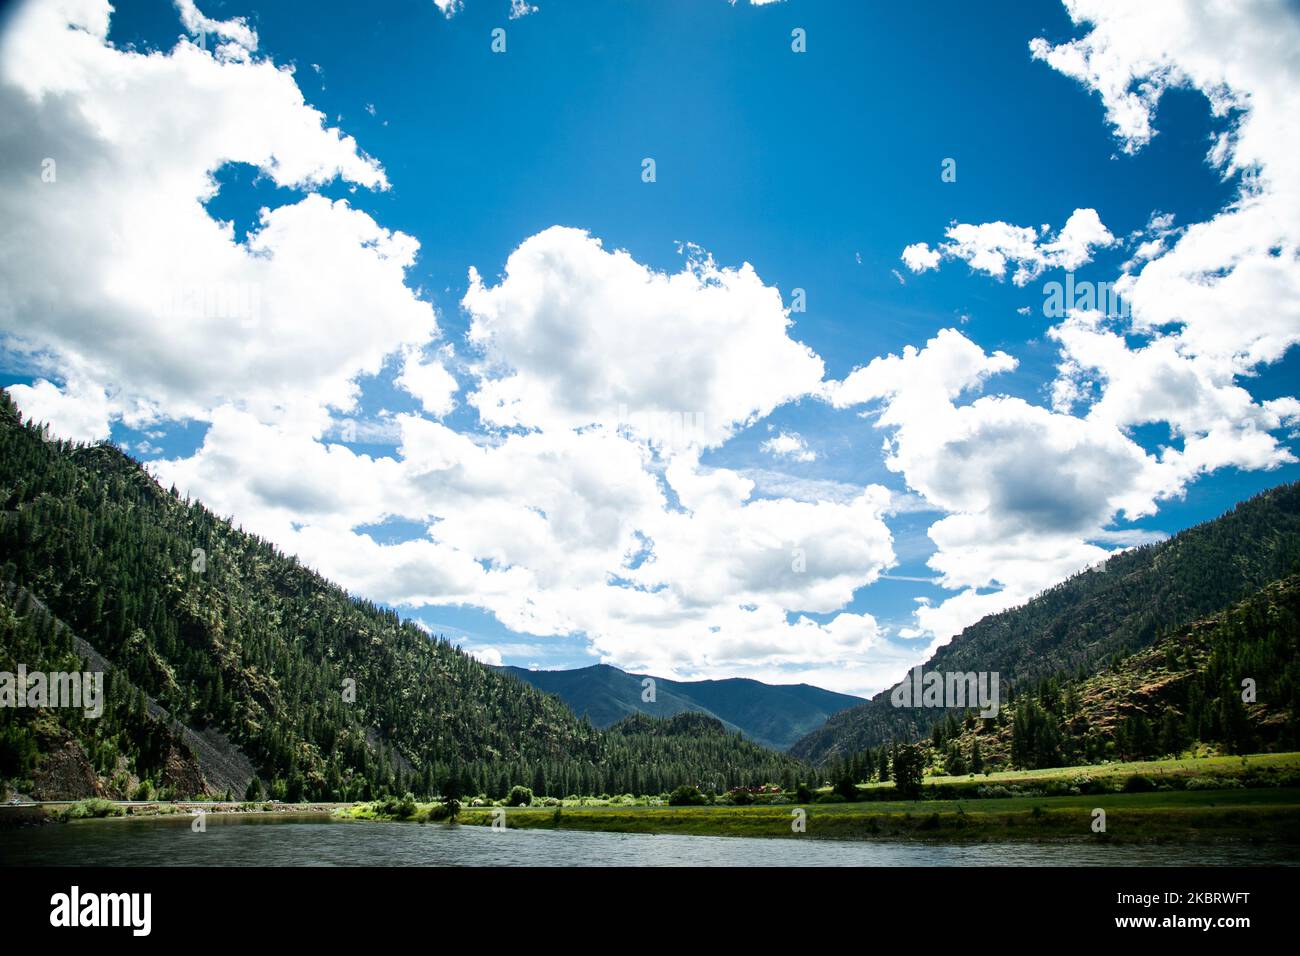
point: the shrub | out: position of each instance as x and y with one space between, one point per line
447 810
831 798
519 797
741 798
1090 785
93 807
1139 784
686 796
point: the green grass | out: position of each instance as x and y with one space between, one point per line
1173 816
1254 798
93 807
1233 767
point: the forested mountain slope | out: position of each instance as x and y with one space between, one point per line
1229 682
1078 626
325 695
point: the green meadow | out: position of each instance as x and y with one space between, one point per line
1255 799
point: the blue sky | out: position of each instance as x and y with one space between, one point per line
816 168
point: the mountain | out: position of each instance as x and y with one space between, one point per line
231 667
775 715
695 740
1077 627
1184 689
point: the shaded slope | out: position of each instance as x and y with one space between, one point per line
1075 627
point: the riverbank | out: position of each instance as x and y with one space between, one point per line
36 814
1251 799
1252 816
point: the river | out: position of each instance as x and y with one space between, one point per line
242 840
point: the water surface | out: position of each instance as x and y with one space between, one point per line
244 840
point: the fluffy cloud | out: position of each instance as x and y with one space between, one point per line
77 411
1027 489
1216 420
919 257
575 335
235 31
789 445
1231 285
166 312
429 381
989 247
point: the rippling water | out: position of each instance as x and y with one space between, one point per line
249 840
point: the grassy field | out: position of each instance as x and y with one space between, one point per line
1173 816
1279 766
1254 799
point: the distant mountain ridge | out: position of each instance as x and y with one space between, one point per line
1075 628
774 715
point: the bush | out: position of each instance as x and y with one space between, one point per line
94 807
447 810
1214 783
831 798
1139 784
847 789
519 797
686 796
1090 785
803 794
742 798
